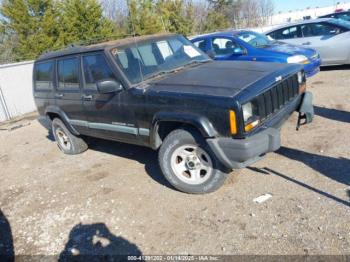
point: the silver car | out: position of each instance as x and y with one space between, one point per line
330 37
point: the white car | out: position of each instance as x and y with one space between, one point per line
330 37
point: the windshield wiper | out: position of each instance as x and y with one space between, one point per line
164 72
197 62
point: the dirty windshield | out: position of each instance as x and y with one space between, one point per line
145 60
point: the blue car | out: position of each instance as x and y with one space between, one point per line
247 45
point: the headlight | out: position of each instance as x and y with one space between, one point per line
247 111
302 82
250 116
298 59
301 76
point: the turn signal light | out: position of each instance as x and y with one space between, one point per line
302 88
250 126
233 123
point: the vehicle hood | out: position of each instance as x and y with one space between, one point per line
290 49
222 78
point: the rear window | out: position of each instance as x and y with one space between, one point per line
68 73
44 75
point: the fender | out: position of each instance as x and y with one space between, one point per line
63 116
203 124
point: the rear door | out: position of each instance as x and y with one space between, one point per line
109 115
68 92
44 92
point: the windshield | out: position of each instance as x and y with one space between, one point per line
145 60
255 39
340 22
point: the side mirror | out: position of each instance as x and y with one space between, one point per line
211 54
108 86
238 51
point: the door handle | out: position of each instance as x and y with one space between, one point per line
307 43
87 97
58 95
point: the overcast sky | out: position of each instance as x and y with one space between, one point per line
286 5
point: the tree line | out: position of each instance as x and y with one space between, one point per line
30 27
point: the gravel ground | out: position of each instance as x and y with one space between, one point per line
112 198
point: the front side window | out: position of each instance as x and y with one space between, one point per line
319 29
201 44
148 59
68 73
44 75
96 69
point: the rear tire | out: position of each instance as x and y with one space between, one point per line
188 163
66 141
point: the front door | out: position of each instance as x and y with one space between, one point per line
326 39
110 115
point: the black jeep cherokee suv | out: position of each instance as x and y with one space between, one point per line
205 117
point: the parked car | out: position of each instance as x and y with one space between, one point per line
244 45
330 37
345 15
204 117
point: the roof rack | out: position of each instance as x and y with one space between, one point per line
88 42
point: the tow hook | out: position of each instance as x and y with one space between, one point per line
300 118
306 110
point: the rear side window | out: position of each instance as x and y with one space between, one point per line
96 69
68 73
286 33
44 75
201 44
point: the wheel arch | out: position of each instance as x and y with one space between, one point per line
53 111
165 122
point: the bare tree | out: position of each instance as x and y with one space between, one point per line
266 11
200 12
255 13
116 11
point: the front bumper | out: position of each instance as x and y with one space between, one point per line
240 153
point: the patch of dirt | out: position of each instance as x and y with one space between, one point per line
55 203
97 176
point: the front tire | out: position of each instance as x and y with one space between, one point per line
66 141
188 163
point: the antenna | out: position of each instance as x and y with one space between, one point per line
135 42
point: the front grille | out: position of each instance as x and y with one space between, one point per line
275 98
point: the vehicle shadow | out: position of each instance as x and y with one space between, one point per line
95 242
333 114
337 67
144 155
337 169
6 241
297 182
